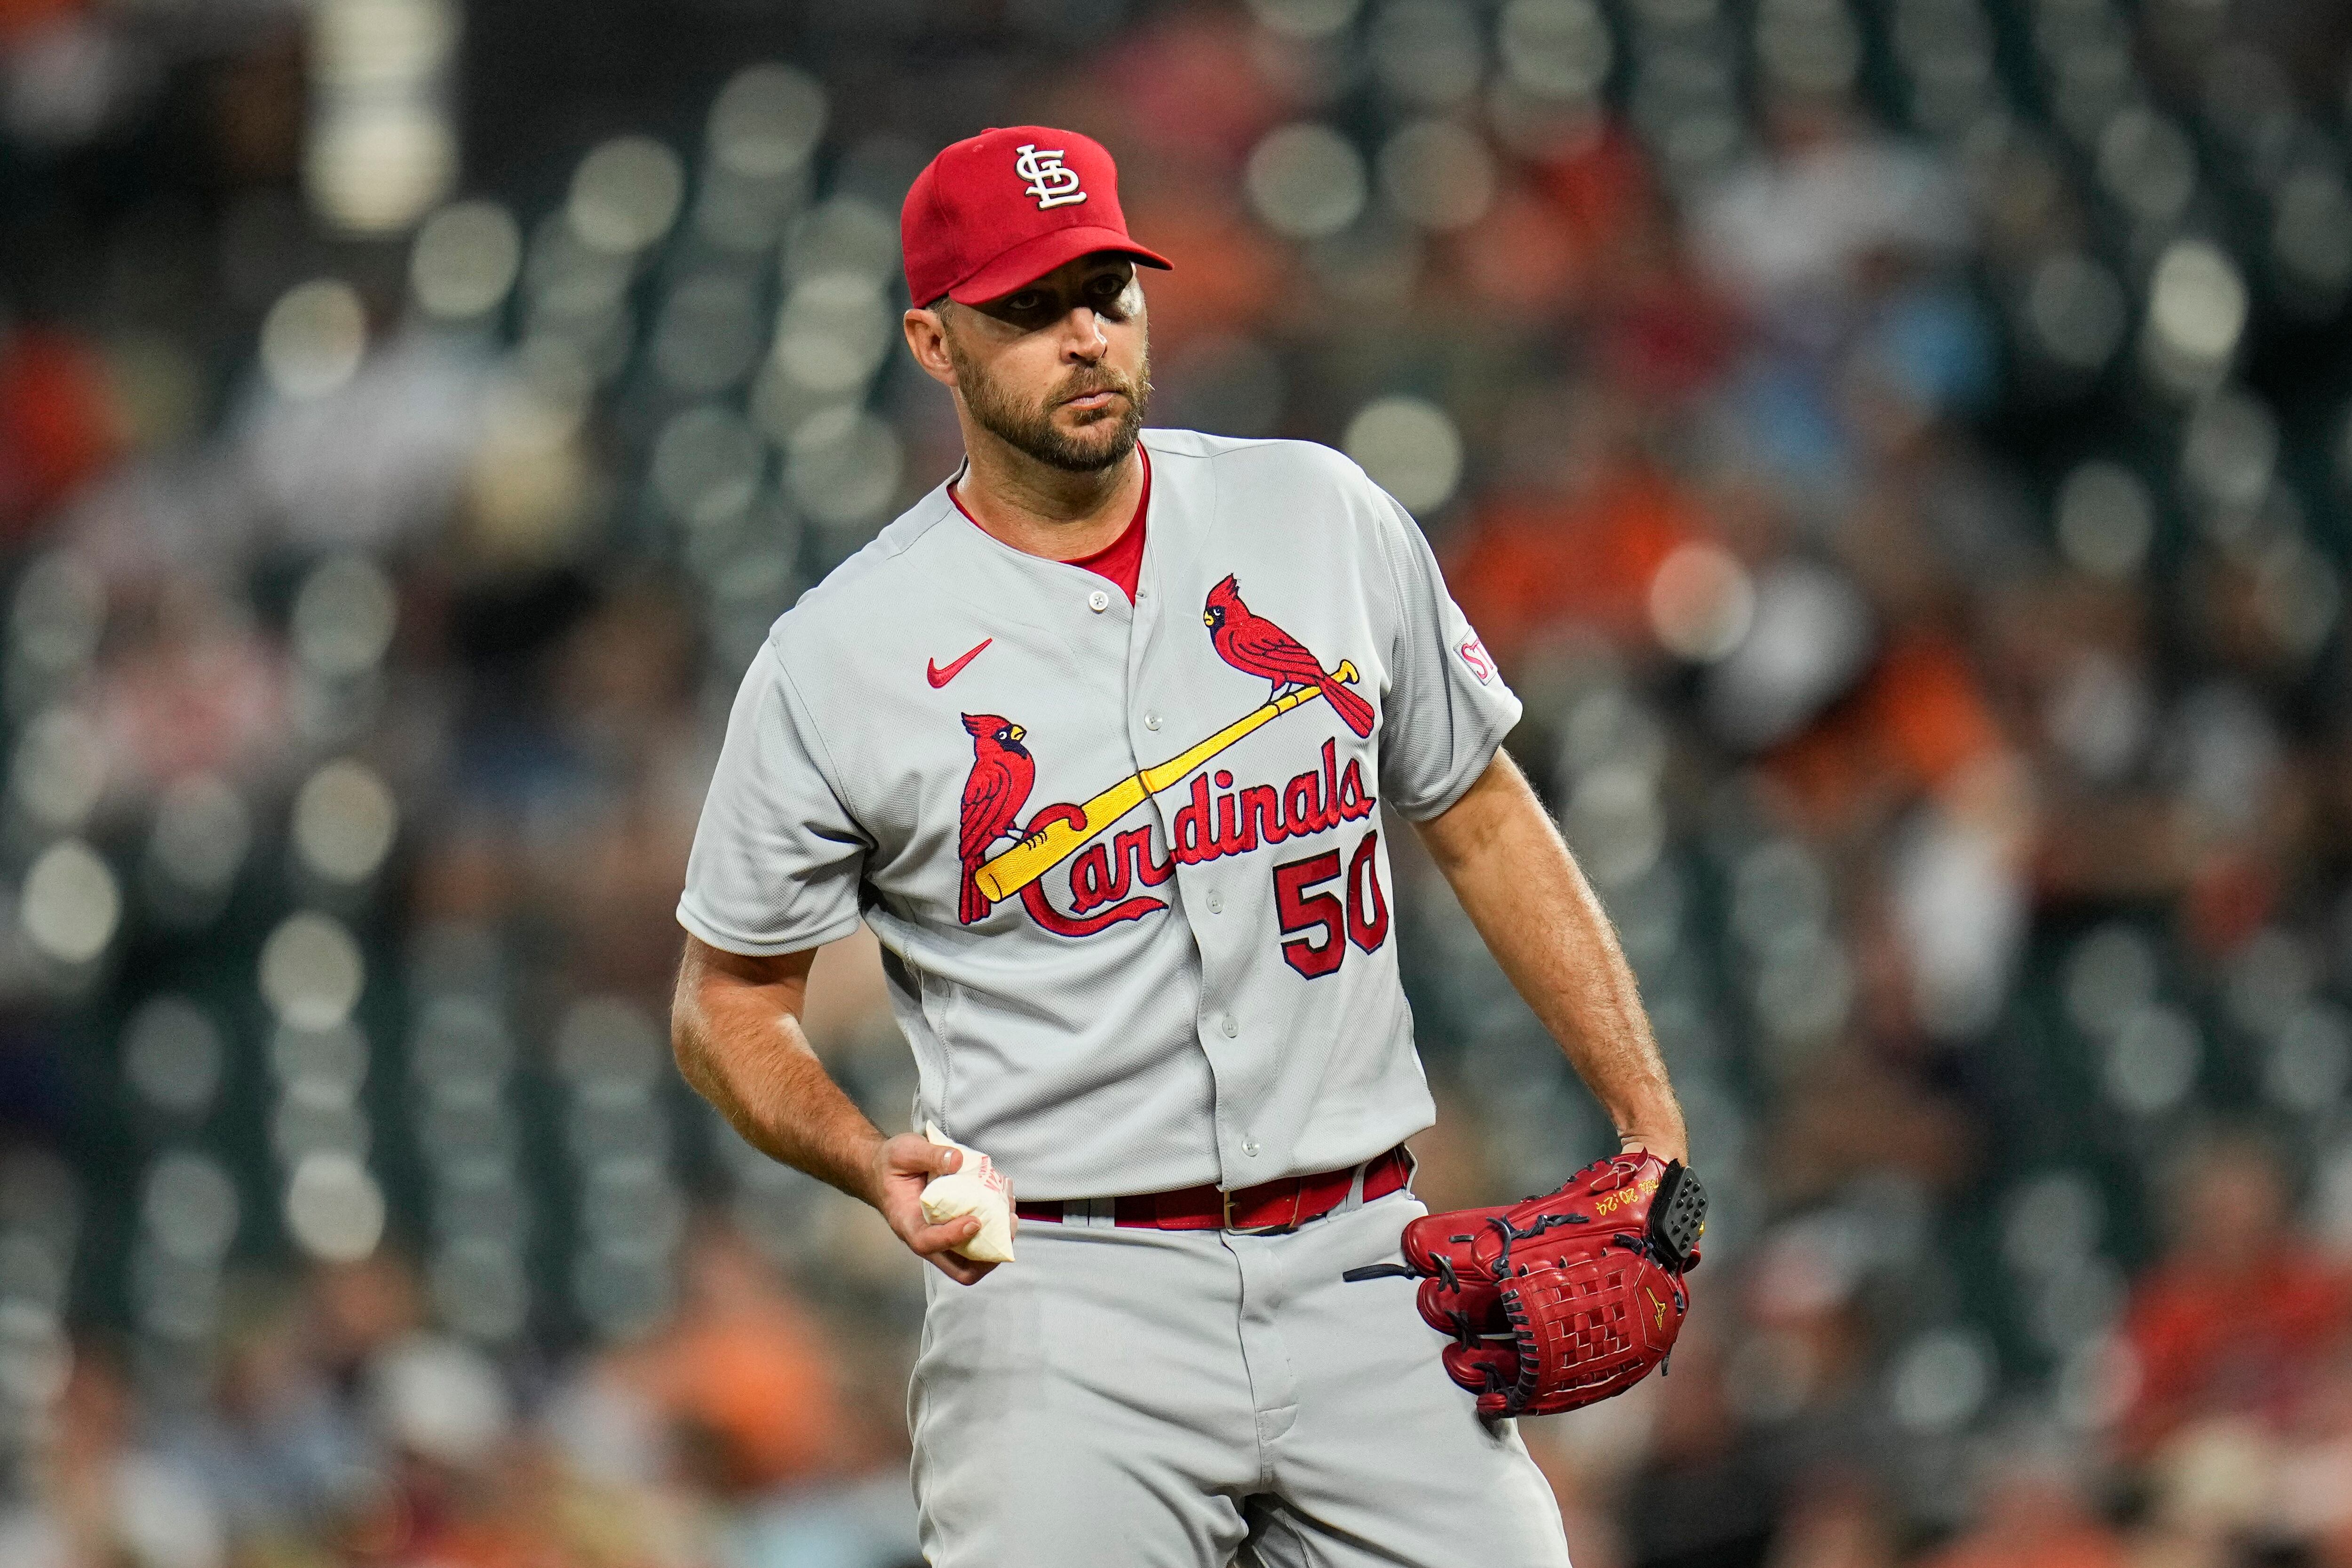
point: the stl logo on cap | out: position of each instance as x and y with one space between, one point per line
970 234
1053 185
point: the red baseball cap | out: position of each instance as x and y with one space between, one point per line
1004 208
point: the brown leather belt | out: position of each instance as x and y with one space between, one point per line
1283 1205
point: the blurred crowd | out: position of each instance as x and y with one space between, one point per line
1898 450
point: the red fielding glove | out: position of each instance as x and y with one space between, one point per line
1559 1300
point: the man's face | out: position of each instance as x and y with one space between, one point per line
1060 369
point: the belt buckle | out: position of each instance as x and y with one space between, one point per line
1297 1196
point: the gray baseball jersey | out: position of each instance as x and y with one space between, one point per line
1127 863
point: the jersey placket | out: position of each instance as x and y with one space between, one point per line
1155 728
1163 713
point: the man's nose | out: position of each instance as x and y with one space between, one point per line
1082 335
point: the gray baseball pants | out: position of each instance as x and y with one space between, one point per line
1195 1399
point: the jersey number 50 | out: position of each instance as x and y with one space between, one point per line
1364 921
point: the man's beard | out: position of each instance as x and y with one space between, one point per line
1030 428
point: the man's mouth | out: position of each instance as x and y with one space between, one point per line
1090 401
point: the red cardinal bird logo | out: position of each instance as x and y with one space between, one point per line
1257 645
1002 771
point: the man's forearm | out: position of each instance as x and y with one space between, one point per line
739 1042
1541 920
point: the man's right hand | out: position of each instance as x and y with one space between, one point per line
736 1028
903 1167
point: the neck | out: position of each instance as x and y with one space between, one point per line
1042 510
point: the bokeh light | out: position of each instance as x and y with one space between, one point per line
344 615
191 1207
2077 311
313 339
59 770
72 904
766 122
2106 519
464 260
58 614
344 819
708 466
1306 181
626 194
312 971
1411 448
1437 174
202 831
1555 48
334 1210
842 464
2196 315
1701 602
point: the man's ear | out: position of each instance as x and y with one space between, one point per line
926 340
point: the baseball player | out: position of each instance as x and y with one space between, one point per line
1107 738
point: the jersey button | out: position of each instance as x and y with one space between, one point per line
1098 601
1152 721
1249 1147
1216 903
1229 1026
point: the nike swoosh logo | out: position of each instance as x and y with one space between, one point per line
939 678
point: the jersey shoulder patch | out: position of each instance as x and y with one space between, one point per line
1473 652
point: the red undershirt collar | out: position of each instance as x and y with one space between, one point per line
1120 561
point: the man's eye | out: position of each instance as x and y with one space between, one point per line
1023 303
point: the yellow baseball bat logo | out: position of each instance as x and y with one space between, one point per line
1016 868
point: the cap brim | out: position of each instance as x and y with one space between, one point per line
1033 259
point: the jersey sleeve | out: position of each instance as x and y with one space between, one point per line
777 857
1447 706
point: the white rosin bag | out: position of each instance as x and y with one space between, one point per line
976 1187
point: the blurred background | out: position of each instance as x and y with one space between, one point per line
1899 451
